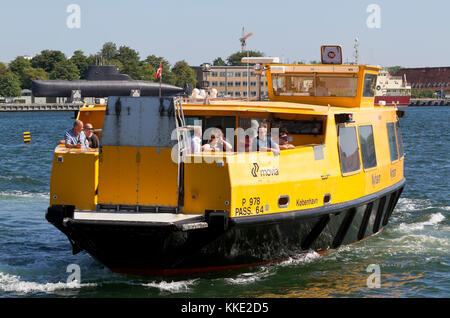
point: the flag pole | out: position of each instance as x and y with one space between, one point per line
160 84
160 78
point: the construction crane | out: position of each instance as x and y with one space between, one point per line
243 38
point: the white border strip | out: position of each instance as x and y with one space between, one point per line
133 217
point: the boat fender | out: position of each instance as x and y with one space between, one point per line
171 109
217 219
57 213
118 107
161 107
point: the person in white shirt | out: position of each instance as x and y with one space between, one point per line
196 140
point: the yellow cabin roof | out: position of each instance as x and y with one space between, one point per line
269 107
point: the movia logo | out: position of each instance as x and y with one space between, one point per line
255 169
264 172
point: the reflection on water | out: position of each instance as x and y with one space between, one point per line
352 281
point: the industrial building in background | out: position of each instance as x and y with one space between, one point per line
428 78
232 81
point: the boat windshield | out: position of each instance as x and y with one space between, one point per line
370 80
333 85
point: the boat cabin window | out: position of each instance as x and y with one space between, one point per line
222 122
370 80
392 142
300 127
348 149
304 131
208 127
367 143
332 85
400 140
336 85
248 129
293 85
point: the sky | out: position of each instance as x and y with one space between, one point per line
396 32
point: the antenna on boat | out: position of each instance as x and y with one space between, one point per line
356 50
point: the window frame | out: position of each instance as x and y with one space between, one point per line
399 140
278 79
389 142
366 76
374 148
358 151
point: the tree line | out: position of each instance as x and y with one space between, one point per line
54 65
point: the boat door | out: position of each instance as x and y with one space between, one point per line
136 169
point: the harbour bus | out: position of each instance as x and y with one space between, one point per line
144 203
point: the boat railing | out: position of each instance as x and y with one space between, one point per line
207 99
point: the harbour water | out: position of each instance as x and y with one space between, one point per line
412 253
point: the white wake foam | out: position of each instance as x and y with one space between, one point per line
267 271
435 219
251 277
22 194
173 287
407 204
13 284
301 259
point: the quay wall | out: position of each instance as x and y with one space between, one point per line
38 107
429 102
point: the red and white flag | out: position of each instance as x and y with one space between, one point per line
159 71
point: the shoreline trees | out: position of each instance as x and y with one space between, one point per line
53 64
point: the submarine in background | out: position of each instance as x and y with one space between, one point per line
102 81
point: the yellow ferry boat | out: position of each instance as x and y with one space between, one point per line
147 203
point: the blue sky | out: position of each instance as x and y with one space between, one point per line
411 34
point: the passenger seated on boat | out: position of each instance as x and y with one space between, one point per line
226 145
91 137
196 139
212 145
262 142
216 142
284 140
75 137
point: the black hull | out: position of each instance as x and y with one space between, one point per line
227 243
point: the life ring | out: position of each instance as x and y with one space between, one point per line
378 87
